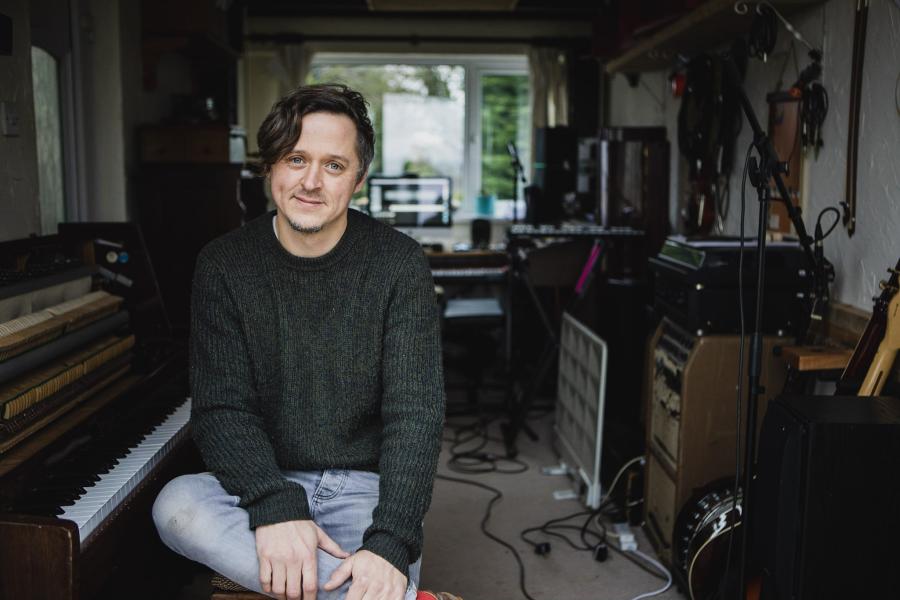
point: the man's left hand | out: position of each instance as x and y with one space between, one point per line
373 578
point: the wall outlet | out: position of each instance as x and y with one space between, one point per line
9 119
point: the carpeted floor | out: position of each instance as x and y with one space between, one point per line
459 558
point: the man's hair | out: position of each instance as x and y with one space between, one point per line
280 130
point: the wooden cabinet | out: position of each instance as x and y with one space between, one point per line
210 144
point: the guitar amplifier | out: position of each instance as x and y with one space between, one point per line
692 384
695 284
826 521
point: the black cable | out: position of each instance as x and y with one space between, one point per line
487 515
837 218
547 528
813 110
740 377
475 461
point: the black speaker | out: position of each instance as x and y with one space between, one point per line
826 515
554 171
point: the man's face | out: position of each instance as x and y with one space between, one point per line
312 184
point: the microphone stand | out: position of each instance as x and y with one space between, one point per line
518 172
761 172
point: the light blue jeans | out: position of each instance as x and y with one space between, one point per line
198 519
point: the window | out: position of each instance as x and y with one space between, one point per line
505 120
451 116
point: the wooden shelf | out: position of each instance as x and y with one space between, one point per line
706 27
816 358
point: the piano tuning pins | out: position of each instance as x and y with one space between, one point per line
886 286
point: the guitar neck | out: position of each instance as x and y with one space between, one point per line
866 349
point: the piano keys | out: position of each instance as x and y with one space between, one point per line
82 459
470 274
570 230
479 266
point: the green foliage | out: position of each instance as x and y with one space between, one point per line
504 97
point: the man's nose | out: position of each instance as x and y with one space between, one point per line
312 177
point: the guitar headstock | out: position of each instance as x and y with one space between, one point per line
888 290
889 302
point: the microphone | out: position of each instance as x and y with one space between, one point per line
516 163
821 283
514 154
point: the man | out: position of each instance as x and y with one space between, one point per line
316 378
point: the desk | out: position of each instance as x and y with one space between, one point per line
465 272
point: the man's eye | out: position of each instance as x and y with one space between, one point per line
335 166
295 160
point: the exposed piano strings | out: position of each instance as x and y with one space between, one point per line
32 296
22 394
27 331
31 420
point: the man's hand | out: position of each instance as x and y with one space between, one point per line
287 557
373 578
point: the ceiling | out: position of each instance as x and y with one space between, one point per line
493 9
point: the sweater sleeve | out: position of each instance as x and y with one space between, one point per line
412 412
225 419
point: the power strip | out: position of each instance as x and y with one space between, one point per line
623 533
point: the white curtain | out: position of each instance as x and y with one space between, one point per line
290 66
550 107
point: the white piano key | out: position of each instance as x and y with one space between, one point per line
113 487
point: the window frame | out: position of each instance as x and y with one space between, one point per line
475 66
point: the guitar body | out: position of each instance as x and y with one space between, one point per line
877 348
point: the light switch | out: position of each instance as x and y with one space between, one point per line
9 119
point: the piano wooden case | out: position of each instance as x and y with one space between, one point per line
94 415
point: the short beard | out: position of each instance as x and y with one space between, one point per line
301 229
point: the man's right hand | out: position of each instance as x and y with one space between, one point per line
287 557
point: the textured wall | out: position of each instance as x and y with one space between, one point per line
859 261
103 101
19 207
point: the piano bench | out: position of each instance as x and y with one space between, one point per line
226 589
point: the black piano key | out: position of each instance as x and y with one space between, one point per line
64 481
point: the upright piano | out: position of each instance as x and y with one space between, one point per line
93 410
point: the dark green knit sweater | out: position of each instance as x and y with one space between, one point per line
331 362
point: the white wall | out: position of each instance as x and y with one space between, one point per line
649 104
103 113
19 203
859 261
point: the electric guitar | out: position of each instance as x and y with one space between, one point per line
877 348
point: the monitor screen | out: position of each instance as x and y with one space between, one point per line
407 201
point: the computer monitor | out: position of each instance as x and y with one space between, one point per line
409 201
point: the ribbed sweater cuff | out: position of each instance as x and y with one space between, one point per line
289 504
390 549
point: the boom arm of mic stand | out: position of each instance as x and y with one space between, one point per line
763 146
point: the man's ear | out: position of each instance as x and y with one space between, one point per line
361 182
